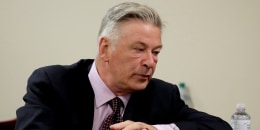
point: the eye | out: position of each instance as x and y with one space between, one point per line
139 49
156 53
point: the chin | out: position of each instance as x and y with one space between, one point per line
137 85
140 87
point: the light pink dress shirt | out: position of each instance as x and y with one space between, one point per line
103 94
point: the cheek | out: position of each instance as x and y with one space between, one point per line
125 62
125 68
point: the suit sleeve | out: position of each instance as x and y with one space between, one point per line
192 119
41 109
160 104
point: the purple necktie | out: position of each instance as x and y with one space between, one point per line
115 117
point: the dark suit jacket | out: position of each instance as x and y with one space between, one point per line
61 98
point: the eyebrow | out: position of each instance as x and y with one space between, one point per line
160 46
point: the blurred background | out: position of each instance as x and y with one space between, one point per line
212 46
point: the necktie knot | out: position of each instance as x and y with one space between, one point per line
116 103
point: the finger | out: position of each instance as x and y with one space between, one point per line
139 126
121 125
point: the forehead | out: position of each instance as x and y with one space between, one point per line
136 30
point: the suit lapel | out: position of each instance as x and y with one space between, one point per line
82 97
137 108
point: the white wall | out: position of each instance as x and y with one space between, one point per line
213 46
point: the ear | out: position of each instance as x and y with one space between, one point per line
104 48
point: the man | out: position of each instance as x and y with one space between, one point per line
78 96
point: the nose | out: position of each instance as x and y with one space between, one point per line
149 60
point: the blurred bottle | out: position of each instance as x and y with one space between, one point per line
240 120
185 94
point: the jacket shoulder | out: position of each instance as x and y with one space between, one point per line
81 64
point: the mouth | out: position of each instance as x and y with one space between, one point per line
143 76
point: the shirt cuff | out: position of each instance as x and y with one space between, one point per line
166 127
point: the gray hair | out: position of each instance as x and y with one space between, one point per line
124 12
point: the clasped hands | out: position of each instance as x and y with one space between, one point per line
130 125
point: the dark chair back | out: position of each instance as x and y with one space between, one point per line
8 124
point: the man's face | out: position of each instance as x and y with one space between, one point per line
133 59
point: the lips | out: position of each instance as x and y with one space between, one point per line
143 76
145 73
